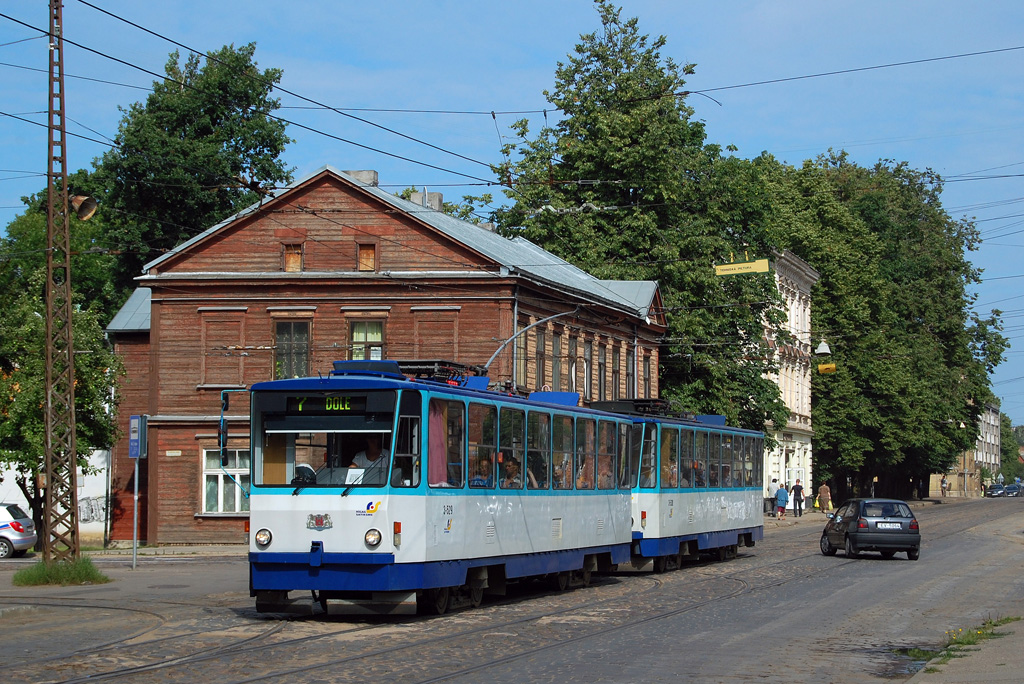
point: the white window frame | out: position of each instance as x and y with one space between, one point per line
225 479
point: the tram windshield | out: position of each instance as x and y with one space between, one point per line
310 439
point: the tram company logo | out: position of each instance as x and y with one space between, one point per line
371 508
319 521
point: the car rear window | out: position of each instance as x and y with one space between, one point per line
887 509
16 512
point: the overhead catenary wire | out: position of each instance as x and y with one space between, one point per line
310 129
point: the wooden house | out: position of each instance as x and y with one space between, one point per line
333 267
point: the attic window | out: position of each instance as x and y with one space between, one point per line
367 258
292 258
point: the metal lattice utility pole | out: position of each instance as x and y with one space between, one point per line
60 519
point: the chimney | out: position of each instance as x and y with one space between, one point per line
434 200
367 177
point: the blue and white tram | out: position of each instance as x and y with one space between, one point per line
698 490
469 490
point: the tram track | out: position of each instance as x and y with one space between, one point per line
242 648
461 645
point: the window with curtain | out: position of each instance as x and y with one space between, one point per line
367 340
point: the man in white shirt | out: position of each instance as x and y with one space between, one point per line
372 454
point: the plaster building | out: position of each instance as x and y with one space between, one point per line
793 456
333 267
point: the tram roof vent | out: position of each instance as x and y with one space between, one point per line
447 372
636 407
367 367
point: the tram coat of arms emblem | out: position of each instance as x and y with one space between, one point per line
319 521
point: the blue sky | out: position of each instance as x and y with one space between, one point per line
960 117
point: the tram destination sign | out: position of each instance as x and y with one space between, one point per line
327 405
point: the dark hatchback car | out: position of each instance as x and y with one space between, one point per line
886 525
1012 490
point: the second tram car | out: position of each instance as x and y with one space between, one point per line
374 492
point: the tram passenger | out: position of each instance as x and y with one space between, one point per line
373 460
483 476
372 454
605 477
513 478
698 474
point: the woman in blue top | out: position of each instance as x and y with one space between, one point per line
781 499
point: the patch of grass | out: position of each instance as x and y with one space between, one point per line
81 571
958 640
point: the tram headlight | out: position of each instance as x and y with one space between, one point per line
263 538
372 538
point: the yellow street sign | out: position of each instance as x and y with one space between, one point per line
758 266
826 368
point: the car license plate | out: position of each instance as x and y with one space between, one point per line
888 526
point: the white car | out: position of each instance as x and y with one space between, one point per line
17 531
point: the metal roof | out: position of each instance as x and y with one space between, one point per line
517 256
134 315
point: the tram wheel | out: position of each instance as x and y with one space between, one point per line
476 596
436 601
561 581
660 564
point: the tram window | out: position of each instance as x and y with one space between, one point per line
739 443
700 457
511 443
714 459
483 441
445 443
606 449
759 460
686 458
648 475
636 437
727 471
622 447
562 442
586 451
538 449
669 454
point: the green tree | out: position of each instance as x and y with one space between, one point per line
23 252
623 186
203 146
1018 434
23 380
1009 451
913 363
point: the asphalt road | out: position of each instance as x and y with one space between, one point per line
779 612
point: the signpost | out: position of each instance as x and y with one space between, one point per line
136 450
738 267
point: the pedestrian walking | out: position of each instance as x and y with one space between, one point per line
825 497
944 485
797 492
781 499
773 488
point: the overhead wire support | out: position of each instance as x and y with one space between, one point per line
60 518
